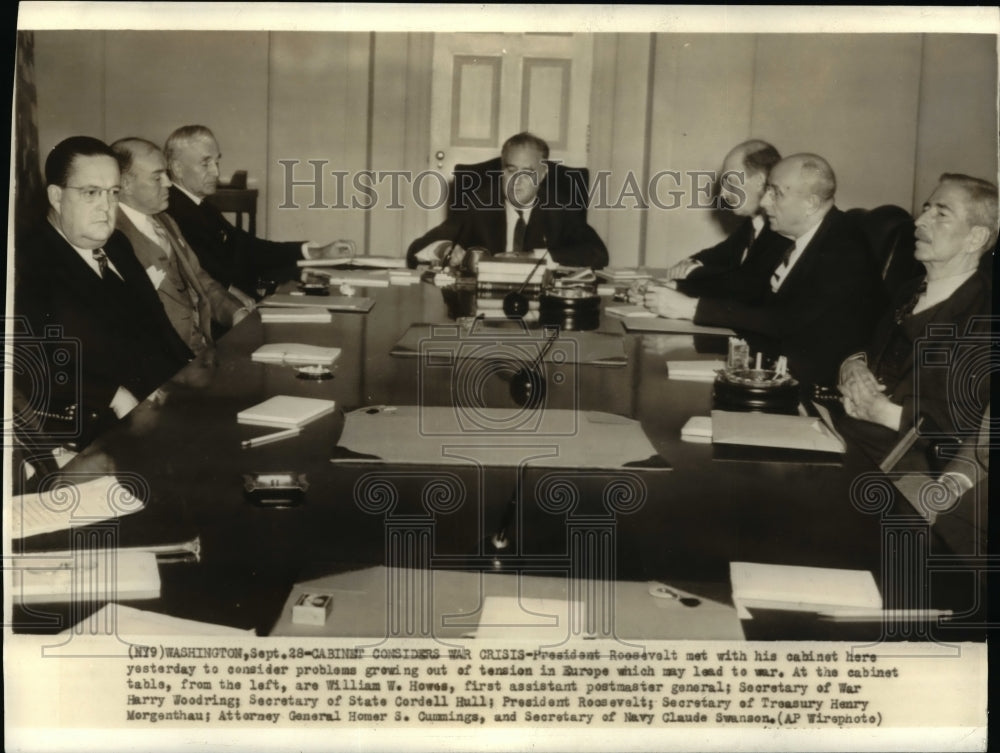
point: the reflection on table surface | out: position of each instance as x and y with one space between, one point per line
625 525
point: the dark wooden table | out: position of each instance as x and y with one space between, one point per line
683 526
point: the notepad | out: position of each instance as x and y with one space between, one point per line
304 315
405 276
622 274
96 500
804 589
286 411
526 618
697 429
93 575
295 354
365 278
130 621
694 371
331 302
773 430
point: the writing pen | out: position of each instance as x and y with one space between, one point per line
268 438
864 615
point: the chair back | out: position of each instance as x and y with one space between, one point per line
888 231
236 198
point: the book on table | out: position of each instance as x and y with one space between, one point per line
286 411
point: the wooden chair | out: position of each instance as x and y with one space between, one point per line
236 198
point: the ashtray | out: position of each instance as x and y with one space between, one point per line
756 390
279 489
313 371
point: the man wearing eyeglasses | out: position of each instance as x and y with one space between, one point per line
824 294
76 273
742 263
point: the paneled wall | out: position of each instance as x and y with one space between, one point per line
890 112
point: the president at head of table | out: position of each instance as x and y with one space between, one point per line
520 204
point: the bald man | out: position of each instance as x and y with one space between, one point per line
741 263
823 295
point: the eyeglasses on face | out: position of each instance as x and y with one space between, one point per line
91 194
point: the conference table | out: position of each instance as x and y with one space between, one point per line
631 526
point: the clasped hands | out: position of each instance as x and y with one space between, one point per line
337 249
864 396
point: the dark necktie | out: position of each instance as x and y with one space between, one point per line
216 219
777 279
519 229
102 262
907 308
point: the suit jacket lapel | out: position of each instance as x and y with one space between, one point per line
148 253
67 264
810 256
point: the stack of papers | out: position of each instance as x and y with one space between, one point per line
286 411
697 429
404 276
694 371
802 589
295 354
364 278
773 430
623 274
304 315
511 271
544 620
91 575
330 302
360 262
34 514
131 621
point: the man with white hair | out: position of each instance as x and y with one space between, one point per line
926 369
229 254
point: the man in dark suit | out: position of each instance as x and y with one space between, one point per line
229 254
192 300
823 295
925 373
75 272
741 264
528 205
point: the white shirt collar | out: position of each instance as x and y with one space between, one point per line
141 221
196 199
778 278
87 254
757 221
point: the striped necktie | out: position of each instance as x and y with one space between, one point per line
161 236
102 262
